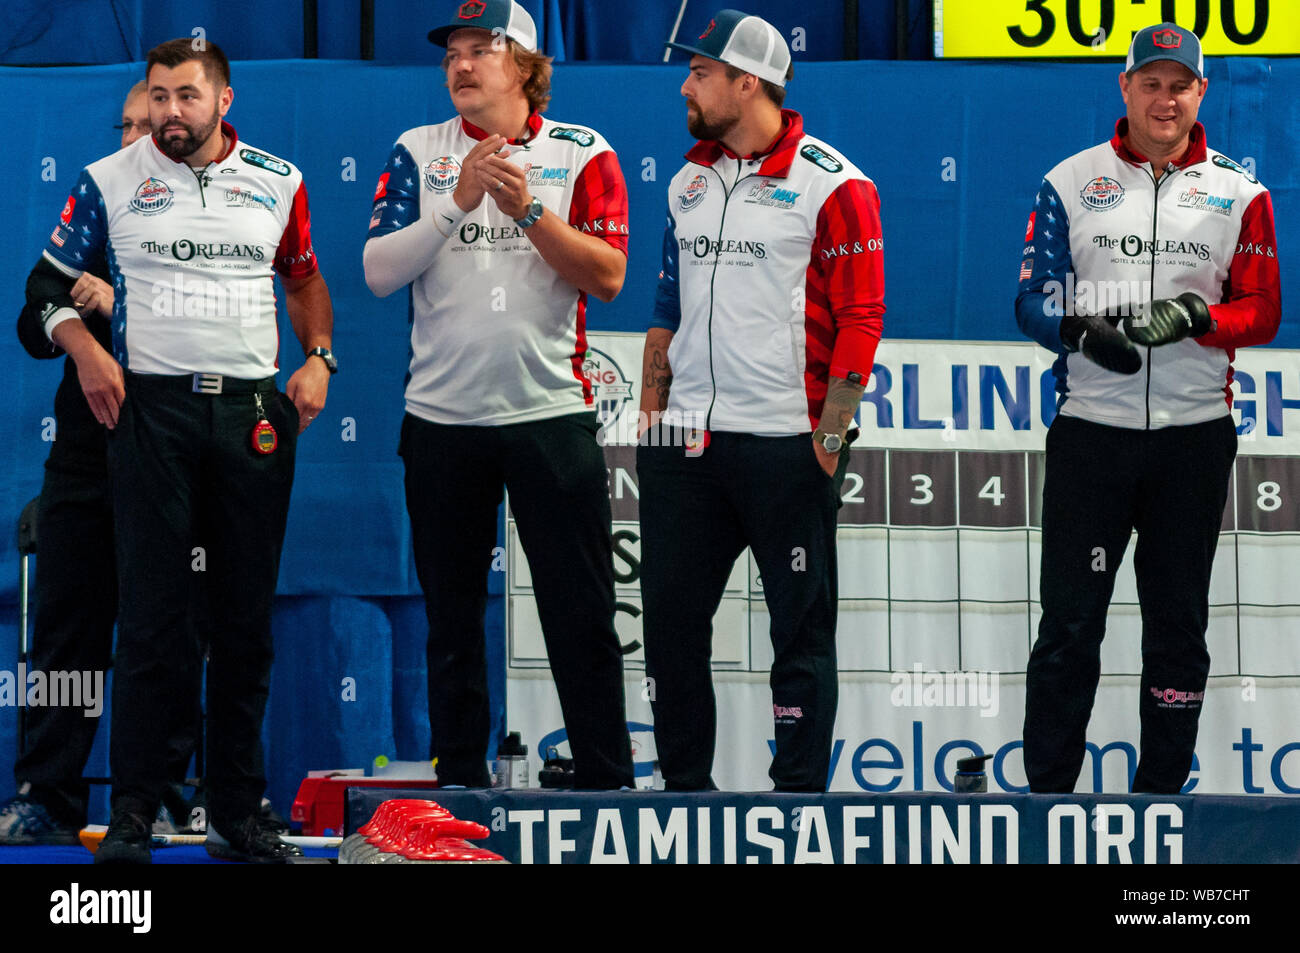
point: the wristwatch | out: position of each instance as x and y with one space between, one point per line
326 355
830 442
535 209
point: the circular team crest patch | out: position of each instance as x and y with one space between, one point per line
694 193
153 196
1102 193
442 174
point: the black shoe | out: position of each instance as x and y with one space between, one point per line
251 843
272 821
127 841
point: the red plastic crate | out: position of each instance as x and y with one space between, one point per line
320 802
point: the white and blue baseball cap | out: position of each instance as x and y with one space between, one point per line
746 42
496 16
1166 41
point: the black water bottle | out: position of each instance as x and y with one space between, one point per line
971 778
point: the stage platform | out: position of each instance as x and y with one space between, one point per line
539 827
161 855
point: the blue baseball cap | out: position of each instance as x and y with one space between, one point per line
1166 41
744 41
503 17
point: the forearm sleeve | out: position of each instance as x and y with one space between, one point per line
49 303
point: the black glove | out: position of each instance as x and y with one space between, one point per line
1170 319
1101 342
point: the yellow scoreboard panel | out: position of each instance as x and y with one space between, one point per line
1104 28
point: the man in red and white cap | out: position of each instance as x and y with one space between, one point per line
1148 261
502 222
768 313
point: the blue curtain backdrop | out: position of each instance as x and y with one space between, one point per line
956 149
49 32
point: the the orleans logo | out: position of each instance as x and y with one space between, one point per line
1132 246
703 246
183 250
472 232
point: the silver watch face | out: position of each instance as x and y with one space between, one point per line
832 443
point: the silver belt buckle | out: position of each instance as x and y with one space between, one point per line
207 383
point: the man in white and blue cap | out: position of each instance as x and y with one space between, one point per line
754 398
1148 261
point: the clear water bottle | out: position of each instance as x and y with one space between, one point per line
511 768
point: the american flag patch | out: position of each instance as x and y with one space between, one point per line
1026 269
56 236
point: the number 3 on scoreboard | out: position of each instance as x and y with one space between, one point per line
924 495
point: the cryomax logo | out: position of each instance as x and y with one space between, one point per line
75 906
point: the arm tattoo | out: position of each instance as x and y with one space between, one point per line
842 400
656 375
661 376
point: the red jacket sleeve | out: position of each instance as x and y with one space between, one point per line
599 205
295 258
847 275
1252 295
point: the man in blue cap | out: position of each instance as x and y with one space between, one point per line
1148 261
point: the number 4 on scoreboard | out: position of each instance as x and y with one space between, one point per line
992 490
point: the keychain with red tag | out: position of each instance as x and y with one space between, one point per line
264 438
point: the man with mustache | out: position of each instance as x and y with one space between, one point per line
195 225
502 223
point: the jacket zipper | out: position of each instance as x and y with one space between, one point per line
1170 172
726 199
202 176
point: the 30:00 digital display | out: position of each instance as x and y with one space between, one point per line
1103 28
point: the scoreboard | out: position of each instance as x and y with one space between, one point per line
1104 28
940 528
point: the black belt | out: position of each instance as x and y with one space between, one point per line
204 383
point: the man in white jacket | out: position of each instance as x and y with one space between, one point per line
502 223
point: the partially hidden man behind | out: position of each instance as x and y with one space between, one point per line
194 224
502 223
1149 260
76 577
767 317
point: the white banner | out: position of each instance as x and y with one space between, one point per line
904 732
938 556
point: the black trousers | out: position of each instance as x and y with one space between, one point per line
179 461
1102 483
697 515
555 473
75 608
